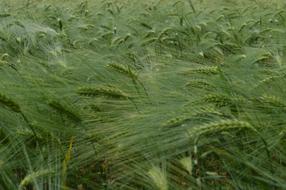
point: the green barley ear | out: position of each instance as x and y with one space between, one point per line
159 178
32 177
272 100
12 105
64 109
126 70
187 163
5 56
110 92
150 34
199 83
149 41
27 133
220 126
175 122
266 80
208 70
119 40
197 112
270 79
7 102
164 32
218 100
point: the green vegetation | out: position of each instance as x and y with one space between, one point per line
142 95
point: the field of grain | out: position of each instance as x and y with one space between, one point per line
142 95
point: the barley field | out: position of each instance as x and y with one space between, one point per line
142 95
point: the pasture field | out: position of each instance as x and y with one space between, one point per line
142 95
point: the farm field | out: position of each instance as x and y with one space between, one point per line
142 95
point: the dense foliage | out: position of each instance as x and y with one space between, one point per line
155 94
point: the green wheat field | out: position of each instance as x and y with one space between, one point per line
142 95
